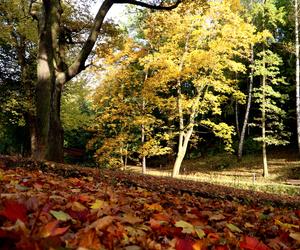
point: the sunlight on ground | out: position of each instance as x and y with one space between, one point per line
245 175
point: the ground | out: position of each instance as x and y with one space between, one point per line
54 206
225 169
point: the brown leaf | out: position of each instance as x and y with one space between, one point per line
102 223
131 219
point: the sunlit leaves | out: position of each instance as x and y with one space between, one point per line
60 215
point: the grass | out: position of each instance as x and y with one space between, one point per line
226 170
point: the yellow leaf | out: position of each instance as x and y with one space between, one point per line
285 225
295 236
98 204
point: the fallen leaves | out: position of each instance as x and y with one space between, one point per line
14 210
52 229
96 213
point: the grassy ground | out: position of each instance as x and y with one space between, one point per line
224 169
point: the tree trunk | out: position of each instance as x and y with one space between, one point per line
263 121
48 89
297 74
144 170
245 123
53 72
182 147
237 124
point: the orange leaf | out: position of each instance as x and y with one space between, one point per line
251 243
52 229
198 245
161 217
154 206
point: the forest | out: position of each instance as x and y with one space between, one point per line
149 127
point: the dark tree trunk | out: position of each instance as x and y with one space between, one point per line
53 72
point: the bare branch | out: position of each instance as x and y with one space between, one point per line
149 6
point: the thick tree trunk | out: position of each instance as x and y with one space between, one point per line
53 73
297 73
49 131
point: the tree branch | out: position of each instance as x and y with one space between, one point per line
79 64
149 6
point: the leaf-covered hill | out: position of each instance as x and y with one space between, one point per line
66 207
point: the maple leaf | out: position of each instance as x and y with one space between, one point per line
60 215
98 204
251 243
233 228
184 244
86 239
52 229
14 210
154 206
186 227
217 217
78 207
102 223
131 219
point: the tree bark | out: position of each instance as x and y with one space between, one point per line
245 123
263 121
53 72
297 73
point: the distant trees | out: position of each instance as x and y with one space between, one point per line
191 70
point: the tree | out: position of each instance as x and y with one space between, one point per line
18 54
54 71
266 17
124 105
269 99
296 8
198 59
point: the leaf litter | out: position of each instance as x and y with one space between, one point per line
117 210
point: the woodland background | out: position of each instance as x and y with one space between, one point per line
202 79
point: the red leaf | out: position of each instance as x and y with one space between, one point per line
14 210
184 244
251 243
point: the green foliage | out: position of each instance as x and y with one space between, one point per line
77 116
270 99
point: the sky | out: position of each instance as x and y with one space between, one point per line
116 12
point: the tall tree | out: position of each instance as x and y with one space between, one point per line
296 9
18 39
53 69
125 125
198 59
270 100
266 17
